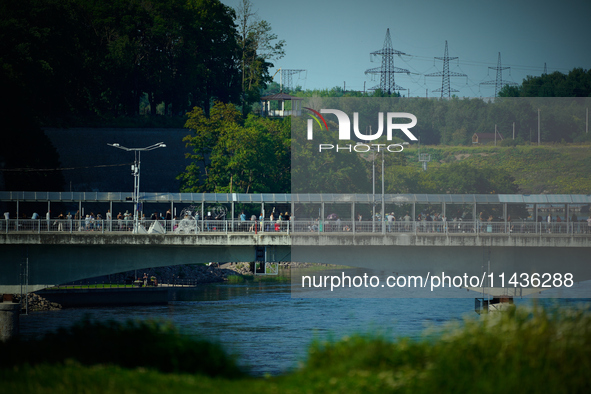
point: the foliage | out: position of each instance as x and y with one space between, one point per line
538 350
454 178
234 157
258 45
327 171
577 83
525 349
78 58
556 169
129 345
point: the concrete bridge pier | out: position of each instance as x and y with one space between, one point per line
9 320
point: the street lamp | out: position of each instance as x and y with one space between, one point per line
135 171
374 149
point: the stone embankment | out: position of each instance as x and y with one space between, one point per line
36 303
197 273
192 273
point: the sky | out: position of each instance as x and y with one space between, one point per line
332 40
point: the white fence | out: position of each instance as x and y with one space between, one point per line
299 226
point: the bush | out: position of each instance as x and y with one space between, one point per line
523 350
133 344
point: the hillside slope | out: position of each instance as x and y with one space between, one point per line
551 169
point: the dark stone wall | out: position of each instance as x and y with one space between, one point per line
87 147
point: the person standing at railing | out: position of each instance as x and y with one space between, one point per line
589 225
109 219
60 223
390 218
549 221
47 220
429 219
242 224
558 220
167 219
35 218
207 219
574 220
6 218
127 219
406 222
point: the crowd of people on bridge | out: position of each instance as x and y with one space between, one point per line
424 222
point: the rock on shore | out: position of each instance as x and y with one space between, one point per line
36 303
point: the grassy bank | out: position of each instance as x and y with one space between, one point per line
556 169
535 350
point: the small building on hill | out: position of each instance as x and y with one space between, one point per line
485 138
281 98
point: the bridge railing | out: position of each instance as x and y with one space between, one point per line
123 226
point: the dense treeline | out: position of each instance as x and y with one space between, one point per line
82 62
577 83
454 121
79 58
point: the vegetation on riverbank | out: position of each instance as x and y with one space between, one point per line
525 350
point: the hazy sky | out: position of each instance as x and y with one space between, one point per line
332 40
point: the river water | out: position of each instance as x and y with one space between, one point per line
268 329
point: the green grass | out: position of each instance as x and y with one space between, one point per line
271 278
235 279
93 286
538 350
554 168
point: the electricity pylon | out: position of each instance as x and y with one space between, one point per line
499 82
387 70
446 74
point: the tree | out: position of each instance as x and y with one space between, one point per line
577 83
258 46
462 178
229 156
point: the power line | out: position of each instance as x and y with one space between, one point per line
61 169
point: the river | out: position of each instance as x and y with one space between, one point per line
268 329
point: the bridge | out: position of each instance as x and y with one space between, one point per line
321 228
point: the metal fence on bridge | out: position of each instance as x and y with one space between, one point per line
180 227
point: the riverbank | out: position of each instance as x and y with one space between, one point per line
532 350
90 292
36 303
194 273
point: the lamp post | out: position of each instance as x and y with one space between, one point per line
135 171
374 149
